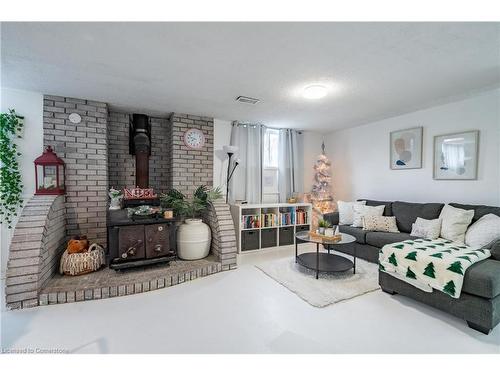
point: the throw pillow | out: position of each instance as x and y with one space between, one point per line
380 223
346 211
360 211
483 232
423 228
455 222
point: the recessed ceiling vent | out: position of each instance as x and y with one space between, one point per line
247 100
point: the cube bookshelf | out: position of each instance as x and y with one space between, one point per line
261 226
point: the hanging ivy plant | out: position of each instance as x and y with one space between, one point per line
10 177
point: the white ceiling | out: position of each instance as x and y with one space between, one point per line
374 70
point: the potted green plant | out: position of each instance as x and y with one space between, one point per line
322 225
11 186
193 236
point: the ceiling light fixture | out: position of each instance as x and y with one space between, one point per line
315 92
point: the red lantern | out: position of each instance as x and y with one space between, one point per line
49 173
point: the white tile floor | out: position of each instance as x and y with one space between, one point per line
242 311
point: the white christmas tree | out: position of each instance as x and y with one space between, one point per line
321 197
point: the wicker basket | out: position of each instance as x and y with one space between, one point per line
82 263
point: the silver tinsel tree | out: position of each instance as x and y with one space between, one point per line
321 197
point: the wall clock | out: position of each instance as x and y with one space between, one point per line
75 118
194 138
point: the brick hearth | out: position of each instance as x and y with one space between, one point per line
36 246
108 283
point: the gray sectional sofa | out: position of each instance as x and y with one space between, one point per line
479 302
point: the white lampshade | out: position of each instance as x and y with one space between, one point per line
230 149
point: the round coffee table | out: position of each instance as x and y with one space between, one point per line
324 262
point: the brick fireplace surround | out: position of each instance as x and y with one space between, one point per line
95 152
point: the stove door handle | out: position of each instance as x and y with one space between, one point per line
131 250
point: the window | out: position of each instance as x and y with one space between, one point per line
270 192
271 142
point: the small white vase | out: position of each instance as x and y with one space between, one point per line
193 239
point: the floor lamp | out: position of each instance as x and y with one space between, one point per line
230 151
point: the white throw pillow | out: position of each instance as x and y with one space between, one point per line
360 211
423 228
346 211
483 231
455 223
380 224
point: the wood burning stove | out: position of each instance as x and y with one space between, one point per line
138 242
134 241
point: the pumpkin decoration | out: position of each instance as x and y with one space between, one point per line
78 244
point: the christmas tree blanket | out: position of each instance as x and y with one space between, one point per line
428 264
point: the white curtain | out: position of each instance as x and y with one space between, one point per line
290 166
246 183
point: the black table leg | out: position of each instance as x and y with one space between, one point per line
354 268
296 250
317 261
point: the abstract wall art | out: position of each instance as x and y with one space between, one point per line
406 148
456 156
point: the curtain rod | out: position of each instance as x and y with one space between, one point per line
264 126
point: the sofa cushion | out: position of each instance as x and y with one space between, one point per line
495 250
483 279
430 229
380 224
346 211
359 233
479 211
361 211
380 239
332 217
455 222
483 232
406 213
388 205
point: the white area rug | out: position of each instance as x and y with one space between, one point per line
329 288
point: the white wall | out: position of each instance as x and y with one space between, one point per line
30 105
360 155
312 149
222 137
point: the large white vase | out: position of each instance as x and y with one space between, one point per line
193 239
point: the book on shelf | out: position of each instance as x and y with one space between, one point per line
286 218
250 221
301 216
269 220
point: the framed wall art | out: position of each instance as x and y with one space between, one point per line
456 156
406 148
